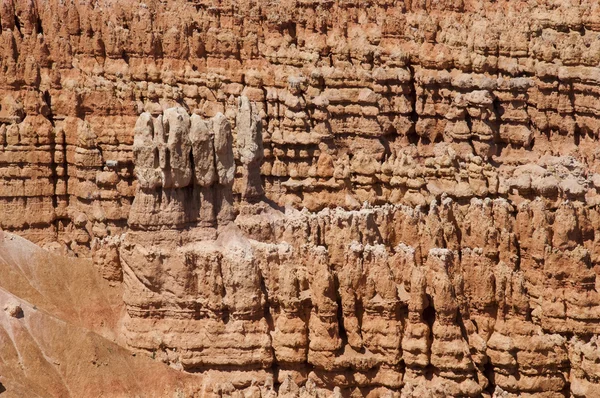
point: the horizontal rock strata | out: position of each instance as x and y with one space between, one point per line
456 297
384 102
370 198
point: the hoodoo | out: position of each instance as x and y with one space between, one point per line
299 198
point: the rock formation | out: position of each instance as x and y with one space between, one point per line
308 198
57 331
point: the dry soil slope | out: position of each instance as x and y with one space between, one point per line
63 345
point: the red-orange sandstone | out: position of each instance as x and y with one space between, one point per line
300 198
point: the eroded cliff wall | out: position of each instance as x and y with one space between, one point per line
424 219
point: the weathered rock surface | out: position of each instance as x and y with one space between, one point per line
365 198
58 332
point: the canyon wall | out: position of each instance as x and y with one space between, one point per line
364 197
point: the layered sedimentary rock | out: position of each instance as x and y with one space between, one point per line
367 198
343 91
457 297
58 335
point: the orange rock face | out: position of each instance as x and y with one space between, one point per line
315 198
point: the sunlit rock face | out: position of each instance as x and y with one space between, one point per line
341 198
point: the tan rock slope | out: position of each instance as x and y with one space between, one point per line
57 332
307 198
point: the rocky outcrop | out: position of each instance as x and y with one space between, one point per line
459 298
364 198
185 170
57 312
385 103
